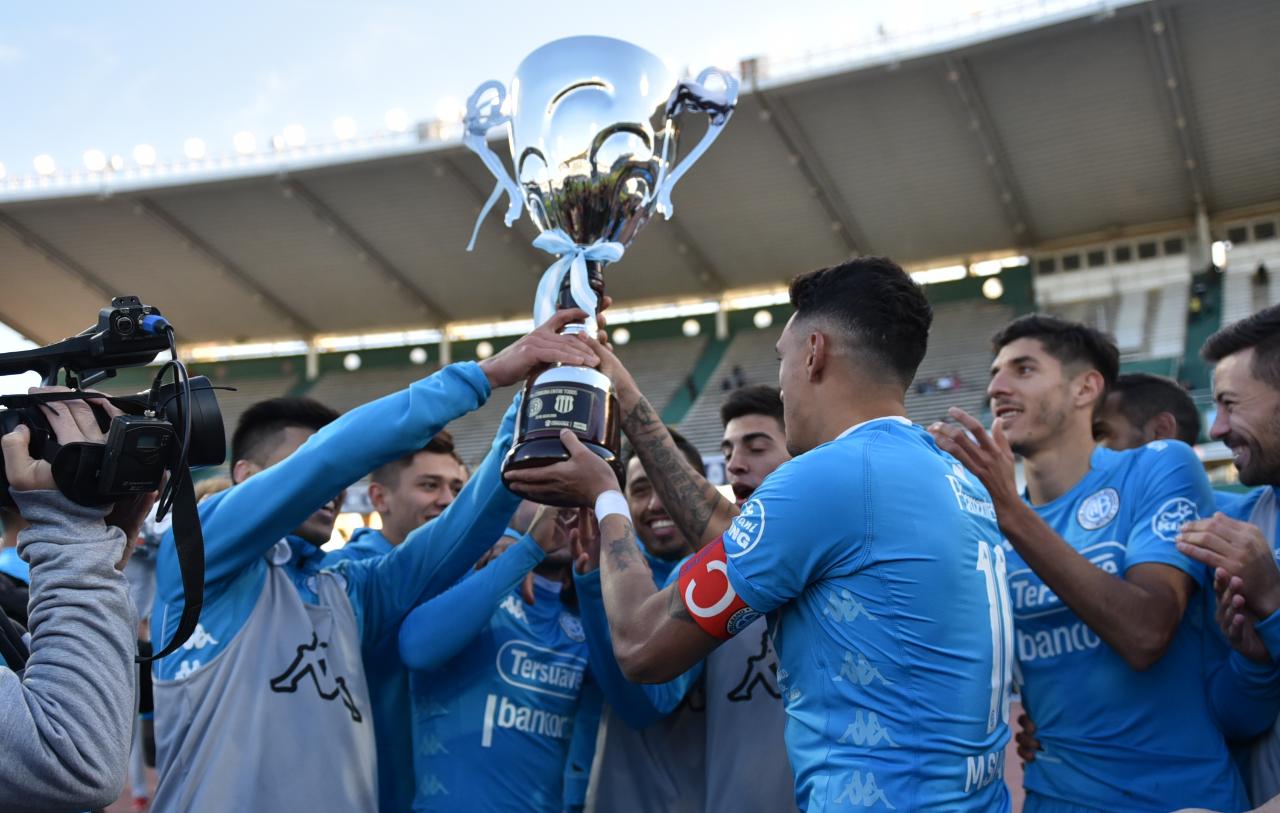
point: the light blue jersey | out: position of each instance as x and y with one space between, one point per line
1113 738
495 686
878 558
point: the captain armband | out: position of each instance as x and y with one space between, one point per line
709 597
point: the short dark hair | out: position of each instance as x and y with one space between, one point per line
686 448
1260 331
1144 396
257 428
1068 342
754 399
388 474
876 304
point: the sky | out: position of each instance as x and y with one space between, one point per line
79 75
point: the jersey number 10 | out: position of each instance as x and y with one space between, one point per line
991 563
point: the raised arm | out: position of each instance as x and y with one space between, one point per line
697 508
1136 614
433 557
638 704
439 629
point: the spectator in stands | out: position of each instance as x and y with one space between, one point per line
1092 562
498 738
1140 408
1240 541
67 688
407 493
276 665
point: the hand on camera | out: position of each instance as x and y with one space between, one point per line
541 347
72 422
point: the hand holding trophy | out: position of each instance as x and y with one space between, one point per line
593 125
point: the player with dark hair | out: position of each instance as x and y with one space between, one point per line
875 557
275 669
1109 657
1140 408
754 442
407 493
1240 541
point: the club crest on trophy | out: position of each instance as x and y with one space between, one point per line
593 124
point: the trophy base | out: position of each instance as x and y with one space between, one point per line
574 398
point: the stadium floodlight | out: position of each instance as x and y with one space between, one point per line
993 288
45 165
691 327
762 319
145 155
397 120
418 355
449 110
95 160
245 142
344 127
117 162
295 135
484 350
194 148
621 336
351 362
1218 252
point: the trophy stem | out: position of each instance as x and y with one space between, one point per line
595 277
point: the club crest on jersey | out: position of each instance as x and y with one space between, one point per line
1098 509
539 669
572 627
1172 515
746 531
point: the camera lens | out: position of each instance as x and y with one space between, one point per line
124 325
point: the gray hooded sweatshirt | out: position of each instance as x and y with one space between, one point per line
66 720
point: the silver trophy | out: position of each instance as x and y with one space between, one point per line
593 124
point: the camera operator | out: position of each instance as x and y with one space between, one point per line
67 694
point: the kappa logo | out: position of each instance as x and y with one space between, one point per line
859 671
564 403
311 662
862 791
1158 445
762 671
432 746
1098 509
512 605
1172 516
747 529
199 639
535 406
432 786
187 669
866 730
846 608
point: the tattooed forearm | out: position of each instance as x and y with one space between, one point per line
675 605
688 498
622 549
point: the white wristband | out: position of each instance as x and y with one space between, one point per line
612 502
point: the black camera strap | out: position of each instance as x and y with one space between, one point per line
13 649
188 541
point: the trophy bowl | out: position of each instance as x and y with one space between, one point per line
593 125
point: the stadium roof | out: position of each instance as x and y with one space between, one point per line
1114 119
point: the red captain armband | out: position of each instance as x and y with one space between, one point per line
710 598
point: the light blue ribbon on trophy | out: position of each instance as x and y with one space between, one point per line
573 261
480 119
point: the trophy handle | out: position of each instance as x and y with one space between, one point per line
484 112
695 97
